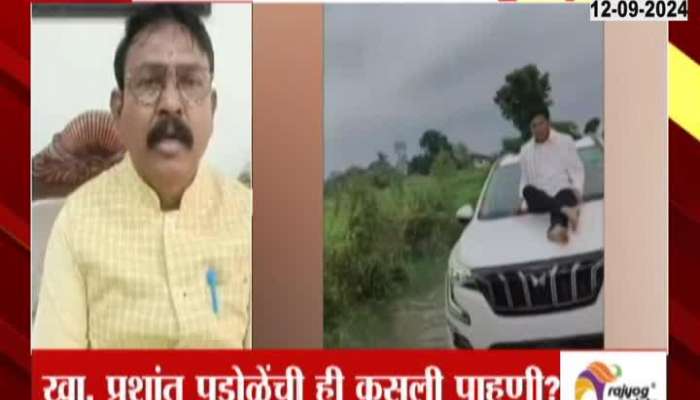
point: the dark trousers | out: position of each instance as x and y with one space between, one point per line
540 202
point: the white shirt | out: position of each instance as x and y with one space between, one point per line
551 166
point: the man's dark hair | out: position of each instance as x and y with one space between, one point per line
145 16
539 110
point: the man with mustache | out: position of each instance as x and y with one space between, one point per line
156 251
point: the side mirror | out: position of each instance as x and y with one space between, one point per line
465 214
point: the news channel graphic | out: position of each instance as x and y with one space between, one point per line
296 375
613 375
639 10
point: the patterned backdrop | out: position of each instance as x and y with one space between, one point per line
14 201
684 203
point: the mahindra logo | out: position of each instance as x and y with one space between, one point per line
538 280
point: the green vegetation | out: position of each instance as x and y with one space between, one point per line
387 236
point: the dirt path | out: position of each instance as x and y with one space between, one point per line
412 320
419 321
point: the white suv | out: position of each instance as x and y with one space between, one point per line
507 286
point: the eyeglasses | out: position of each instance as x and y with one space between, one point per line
148 82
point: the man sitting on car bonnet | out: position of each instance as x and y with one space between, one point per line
552 177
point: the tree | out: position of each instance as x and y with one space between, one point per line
433 142
525 90
420 164
512 144
381 172
568 127
462 156
592 125
381 162
444 165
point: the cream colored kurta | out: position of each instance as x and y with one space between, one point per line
121 273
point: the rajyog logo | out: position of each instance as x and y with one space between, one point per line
594 378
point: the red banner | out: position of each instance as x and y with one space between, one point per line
295 375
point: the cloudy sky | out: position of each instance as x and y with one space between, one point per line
394 71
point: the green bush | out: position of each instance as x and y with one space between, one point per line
365 263
377 235
444 165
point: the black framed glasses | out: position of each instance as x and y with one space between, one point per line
148 82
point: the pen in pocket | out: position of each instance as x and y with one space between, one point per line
213 281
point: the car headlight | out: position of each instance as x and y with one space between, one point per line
460 274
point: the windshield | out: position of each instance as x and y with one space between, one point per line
502 198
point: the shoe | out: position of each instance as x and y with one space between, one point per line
558 234
573 214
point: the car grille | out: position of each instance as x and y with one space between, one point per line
542 286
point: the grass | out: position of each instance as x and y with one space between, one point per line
373 324
461 188
364 322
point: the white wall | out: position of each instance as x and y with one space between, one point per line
71 72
